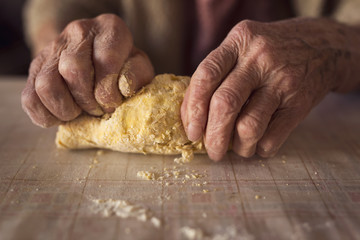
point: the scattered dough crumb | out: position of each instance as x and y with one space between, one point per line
99 152
146 175
259 197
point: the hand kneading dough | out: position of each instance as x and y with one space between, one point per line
148 122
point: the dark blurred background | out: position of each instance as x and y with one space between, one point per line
14 54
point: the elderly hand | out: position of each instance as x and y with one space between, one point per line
262 80
80 71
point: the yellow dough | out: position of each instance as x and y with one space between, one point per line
148 122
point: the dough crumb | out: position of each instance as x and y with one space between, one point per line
99 152
146 175
186 157
259 197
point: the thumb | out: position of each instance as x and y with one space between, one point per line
136 72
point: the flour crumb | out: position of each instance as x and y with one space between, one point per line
192 233
124 209
156 222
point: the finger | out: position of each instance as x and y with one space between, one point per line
112 46
253 120
30 101
225 106
136 73
53 92
75 66
284 121
207 77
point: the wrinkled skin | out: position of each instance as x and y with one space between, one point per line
79 71
258 85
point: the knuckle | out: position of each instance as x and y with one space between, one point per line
209 71
289 85
197 113
226 100
245 27
78 28
244 31
72 69
113 25
43 86
249 129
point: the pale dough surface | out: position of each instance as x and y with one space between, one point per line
148 122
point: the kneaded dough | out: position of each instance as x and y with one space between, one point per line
148 122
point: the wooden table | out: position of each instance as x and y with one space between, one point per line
310 190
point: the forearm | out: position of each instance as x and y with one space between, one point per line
337 45
347 58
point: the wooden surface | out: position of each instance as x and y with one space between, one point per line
311 190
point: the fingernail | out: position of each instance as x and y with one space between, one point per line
194 132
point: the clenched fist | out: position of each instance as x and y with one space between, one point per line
264 78
90 67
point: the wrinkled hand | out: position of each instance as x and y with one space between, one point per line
257 86
80 71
